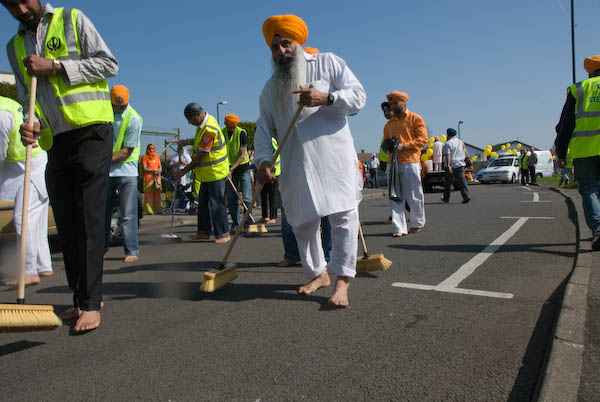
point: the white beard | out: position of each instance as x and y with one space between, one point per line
286 80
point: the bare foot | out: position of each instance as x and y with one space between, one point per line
321 281
30 280
73 312
414 230
223 240
88 320
397 235
340 293
45 274
130 258
271 221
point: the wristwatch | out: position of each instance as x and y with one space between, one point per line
330 99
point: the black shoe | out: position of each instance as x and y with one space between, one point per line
466 200
596 241
445 200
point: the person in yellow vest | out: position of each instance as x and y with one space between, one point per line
579 128
123 175
523 167
12 170
239 168
269 195
73 119
211 167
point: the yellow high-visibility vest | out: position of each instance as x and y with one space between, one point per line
82 104
277 165
16 151
585 141
127 116
215 165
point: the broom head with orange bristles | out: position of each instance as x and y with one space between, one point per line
27 318
375 262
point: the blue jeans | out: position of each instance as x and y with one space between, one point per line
242 183
587 173
212 212
128 211
290 247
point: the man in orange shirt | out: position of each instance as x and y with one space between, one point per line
410 131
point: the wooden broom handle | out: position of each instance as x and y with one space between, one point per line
26 185
362 240
258 188
240 197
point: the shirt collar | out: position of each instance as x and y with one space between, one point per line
48 11
204 121
309 56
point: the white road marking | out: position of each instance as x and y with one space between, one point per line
450 284
536 198
526 188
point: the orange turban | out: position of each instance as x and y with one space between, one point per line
591 64
119 95
231 120
288 26
397 96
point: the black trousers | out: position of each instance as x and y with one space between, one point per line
457 174
269 199
77 177
531 172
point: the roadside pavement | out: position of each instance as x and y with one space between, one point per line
572 367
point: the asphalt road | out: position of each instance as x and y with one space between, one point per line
468 318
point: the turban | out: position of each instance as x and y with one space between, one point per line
397 96
231 120
119 95
193 109
451 132
288 26
591 64
437 138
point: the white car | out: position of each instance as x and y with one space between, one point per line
504 170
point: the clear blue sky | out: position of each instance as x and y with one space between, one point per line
500 66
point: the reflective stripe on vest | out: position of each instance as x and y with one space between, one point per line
585 141
234 145
82 104
127 116
215 165
278 160
16 151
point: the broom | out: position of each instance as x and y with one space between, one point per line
227 272
254 228
22 317
376 262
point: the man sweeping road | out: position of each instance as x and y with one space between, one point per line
318 161
64 50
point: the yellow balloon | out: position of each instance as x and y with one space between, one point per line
508 145
503 147
489 147
429 152
431 139
486 152
553 157
424 157
518 145
443 138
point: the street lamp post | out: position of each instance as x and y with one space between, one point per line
223 102
459 123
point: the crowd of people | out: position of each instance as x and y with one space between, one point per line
90 146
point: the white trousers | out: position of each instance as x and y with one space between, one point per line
344 245
412 193
38 251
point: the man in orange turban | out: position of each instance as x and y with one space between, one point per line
409 132
239 168
583 138
318 162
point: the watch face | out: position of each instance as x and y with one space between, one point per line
330 99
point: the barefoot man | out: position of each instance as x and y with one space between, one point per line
73 121
318 161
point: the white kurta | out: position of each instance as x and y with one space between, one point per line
319 166
11 189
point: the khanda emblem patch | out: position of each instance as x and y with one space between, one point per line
54 43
